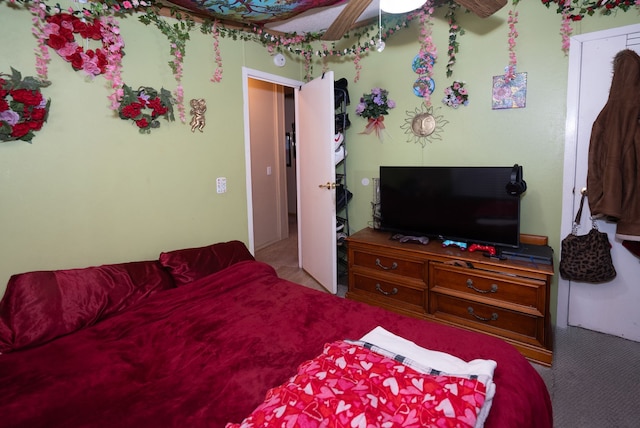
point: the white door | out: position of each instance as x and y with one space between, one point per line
315 126
610 307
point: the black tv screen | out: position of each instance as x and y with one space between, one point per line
463 204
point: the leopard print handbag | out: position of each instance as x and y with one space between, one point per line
586 258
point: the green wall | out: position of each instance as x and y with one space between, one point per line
91 190
476 135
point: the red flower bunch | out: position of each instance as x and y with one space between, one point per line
60 31
576 10
23 109
145 106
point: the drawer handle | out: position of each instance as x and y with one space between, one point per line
494 316
394 265
387 293
494 287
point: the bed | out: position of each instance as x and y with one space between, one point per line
209 337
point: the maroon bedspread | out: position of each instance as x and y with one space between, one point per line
205 354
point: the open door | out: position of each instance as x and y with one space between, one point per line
315 127
611 307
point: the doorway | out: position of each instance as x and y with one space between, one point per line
610 307
266 181
265 159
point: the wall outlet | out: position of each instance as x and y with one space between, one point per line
221 184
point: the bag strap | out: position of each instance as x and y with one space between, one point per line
576 222
579 213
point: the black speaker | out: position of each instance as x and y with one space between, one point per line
516 186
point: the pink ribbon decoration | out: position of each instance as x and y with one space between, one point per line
376 125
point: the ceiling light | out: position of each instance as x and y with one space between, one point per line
402 6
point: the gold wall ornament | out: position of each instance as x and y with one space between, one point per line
422 125
198 108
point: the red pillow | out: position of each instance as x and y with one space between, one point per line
194 263
40 306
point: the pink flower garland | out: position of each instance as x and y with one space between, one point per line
38 9
565 28
325 65
510 73
307 67
356 62
111 35
427 47
177 73
217 75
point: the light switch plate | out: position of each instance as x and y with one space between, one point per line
221 184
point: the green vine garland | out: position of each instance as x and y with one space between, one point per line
178 33
454 31
578 9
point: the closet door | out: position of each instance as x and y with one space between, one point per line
610 307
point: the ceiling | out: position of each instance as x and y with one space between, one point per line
299 16
308 16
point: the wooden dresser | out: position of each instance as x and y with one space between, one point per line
504 298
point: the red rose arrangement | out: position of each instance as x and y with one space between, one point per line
145 106
23 109
60 31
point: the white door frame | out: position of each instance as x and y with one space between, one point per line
571 146
248 73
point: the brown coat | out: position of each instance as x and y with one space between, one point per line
613 179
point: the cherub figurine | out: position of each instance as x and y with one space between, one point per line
198 107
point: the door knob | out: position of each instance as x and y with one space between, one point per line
328 186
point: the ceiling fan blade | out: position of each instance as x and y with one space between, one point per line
482 8
346 19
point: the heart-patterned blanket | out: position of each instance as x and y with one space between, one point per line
350 384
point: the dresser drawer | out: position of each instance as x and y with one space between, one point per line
389 264
489 287
391 292
491 319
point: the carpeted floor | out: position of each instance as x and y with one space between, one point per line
594 381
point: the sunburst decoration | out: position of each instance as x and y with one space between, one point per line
423 126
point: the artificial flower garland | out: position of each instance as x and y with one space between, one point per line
217 74
454 31
145 106
571 10
38 10
565 27
113 72
178 34
23 108
428 51
510 72
289 42
576 10
59 34
109 35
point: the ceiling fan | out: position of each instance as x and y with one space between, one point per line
354 8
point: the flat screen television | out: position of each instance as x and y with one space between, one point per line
462 204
